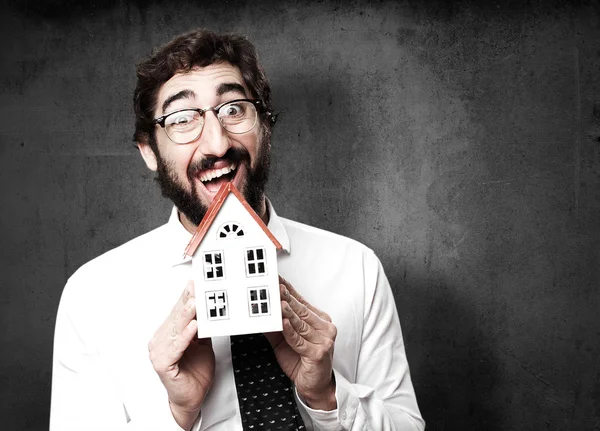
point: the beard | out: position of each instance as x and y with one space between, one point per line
189 203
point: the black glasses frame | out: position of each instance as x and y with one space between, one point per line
260 107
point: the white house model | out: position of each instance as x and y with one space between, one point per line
234 261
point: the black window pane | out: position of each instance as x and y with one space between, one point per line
217 257
222 311
264 307
234 227
208 258
253 295
250 254
219 271
226 227
254 308
222 235
259 253
213 312
261 267
251 268
263 293
210 274
240 233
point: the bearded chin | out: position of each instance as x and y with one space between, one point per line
188 202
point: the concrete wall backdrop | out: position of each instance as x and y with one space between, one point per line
459 140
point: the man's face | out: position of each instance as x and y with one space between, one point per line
191 174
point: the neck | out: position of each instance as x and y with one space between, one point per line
191 227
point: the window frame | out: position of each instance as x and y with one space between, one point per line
225 303
238 232
259 301
208 266
256 261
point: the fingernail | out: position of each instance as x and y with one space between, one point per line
286 294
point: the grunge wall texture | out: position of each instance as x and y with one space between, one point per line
459 140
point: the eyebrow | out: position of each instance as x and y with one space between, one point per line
183 94
226 87
229 87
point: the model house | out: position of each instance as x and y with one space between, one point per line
234 260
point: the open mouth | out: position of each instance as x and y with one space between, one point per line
213 179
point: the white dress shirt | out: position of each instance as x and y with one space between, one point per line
110 308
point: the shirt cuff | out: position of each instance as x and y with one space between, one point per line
198 423
339 419
160 416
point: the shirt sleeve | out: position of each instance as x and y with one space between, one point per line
84 395
381 396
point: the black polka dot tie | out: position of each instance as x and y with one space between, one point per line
265 393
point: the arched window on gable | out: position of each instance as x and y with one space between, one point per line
230 229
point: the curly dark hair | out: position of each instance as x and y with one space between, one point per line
197 48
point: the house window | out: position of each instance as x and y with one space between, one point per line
258 301
231 229
216 305
255 261
213 265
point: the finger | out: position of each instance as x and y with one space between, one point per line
183 318
315 352
293 292
180 316
294 340
168 359
307 315
182 313
173 328
300 324
274 338
187 293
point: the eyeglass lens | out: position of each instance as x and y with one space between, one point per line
185 126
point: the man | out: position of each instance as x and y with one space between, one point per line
119 363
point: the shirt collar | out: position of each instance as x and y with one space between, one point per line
179 237
277 229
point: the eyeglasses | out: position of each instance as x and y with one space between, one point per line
185 125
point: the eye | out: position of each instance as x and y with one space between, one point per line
181 118
232 110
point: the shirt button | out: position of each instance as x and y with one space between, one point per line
343 415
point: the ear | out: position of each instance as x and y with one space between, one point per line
148 155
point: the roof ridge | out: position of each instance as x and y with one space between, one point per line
211 214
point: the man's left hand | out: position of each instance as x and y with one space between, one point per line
304 349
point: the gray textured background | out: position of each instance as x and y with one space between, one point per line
459 141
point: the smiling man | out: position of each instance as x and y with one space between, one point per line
235 146
126 355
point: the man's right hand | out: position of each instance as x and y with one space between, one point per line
185 365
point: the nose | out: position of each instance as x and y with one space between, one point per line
213 140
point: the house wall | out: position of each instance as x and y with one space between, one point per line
459 140
236 282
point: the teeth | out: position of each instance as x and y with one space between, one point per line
216 173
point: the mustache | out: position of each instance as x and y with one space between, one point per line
237 155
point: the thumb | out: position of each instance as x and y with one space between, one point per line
275 338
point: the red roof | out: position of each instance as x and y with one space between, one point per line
212 212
